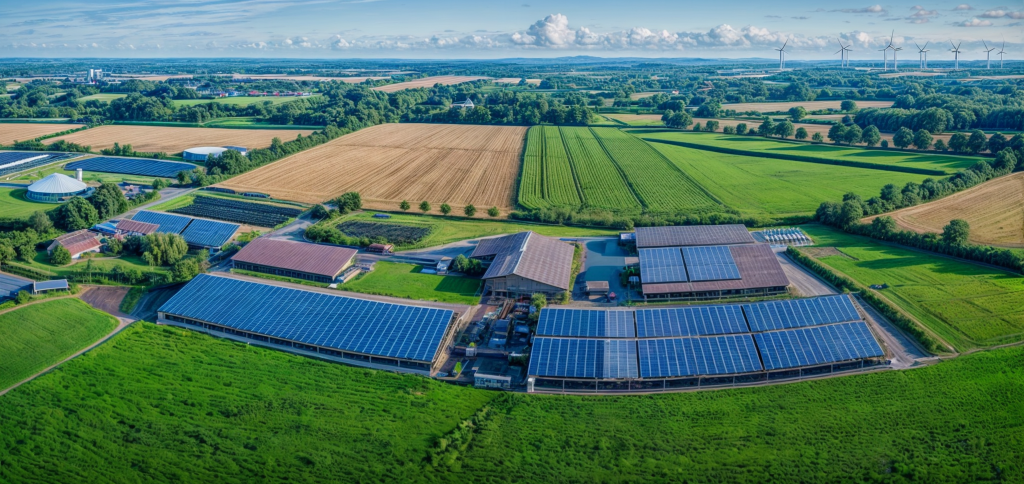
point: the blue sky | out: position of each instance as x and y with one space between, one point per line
494 29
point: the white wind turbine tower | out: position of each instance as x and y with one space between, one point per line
885 58
956 55
782 53
988 55
1002 50
922 55
842 53
846 53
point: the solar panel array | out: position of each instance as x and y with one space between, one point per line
132 166
583 358
794 313
715 355
817 345
586 323
171 224
15 161
700 340
690 321
662 265
710 263
208 233
344 323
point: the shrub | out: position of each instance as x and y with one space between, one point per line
424 206
60 256
446 209
493 212
470 210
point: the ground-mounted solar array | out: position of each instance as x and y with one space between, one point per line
196 231
342 323
700 341
131 166
15 161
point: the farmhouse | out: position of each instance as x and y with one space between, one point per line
77 243
327 325
706 262
665 348
525 263
301 260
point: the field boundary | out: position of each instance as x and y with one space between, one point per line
675 167
804 159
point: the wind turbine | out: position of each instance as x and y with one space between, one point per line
885 58
922 55
1002 50
841 52
988 55
782 53
846 52
956 55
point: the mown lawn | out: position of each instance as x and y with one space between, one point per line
39 335
448 230
174 405
14 205
406 280
968 305
937 161
762 186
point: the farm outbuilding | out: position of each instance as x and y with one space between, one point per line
204 153
301 260
525 263
128 227
77 243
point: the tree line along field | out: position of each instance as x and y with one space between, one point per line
811 128
41 334
603 168
159 139
429 82
994 210
11 132
176 405
389 163
777 188
948 164
968 305
781 107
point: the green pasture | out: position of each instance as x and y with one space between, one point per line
41 334
969 305
406 280
777 188
938 161
14 205
177 405
104 97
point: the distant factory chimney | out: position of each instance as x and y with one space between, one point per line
78 174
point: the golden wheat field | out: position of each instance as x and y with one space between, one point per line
515 80
429 82
156 139
808 105
995 211
11 132
454 164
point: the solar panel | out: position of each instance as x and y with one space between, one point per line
10 285
713 263
132 166
50 285
208 233
794 313
690 321
171 224
817 345
15 161
592 323
662 265
715 355
344 323
583 358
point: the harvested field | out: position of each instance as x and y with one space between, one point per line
429 82
515 80
11 132
808 105
454 164
156 139
106 298
286 77
994 209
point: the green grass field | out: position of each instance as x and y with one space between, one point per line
405 280
101 263
104 97
87 176
761 186
174 405
942 162
39 335
445 231
14 205
603 168
239 101
968 305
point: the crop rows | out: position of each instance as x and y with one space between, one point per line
560 187
238 211
599 178
392 233
531 183
156 139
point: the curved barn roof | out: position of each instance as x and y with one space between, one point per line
57 183
206 150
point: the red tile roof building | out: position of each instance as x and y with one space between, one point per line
301 260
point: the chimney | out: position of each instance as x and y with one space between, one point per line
78 174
